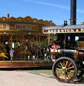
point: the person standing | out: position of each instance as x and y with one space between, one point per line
11 53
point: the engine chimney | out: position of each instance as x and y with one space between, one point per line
65 23
73 19
73 12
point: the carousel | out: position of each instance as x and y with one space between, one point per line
20 42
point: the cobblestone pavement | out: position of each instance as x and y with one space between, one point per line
25 78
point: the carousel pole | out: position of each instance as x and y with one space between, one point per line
48 39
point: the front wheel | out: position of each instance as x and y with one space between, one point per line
64 69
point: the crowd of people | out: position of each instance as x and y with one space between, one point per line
27 51
24 51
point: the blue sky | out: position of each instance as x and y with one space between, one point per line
55 10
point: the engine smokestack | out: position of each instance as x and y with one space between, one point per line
73 13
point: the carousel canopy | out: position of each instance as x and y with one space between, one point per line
63 29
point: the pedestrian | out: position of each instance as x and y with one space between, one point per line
11 53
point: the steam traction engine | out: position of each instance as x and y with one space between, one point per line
69 56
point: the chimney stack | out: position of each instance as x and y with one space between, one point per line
73 12
73 19
65 23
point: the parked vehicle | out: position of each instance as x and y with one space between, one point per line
69 56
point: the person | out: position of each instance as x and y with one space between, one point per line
53 47
25 48
25 51
11 53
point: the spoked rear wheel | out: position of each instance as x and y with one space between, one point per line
64 69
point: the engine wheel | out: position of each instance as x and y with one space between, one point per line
80 70
64 69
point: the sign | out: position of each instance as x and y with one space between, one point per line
4 27
64 29
27 27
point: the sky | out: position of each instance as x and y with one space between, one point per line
55 10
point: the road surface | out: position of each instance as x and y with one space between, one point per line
25 78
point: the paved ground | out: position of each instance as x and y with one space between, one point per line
25 78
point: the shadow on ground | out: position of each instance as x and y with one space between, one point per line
81 81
